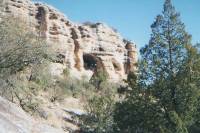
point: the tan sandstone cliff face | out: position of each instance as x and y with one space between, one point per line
81 47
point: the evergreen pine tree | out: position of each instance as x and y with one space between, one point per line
168 81
168 58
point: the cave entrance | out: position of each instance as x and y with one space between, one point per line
91 62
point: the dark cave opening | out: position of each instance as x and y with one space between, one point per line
90 62
40 16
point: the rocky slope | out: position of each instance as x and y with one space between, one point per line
82 47
14 120
55 117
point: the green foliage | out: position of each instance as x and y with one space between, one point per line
68 86
99 118
193 67
42 76
132 79
99 78
66 72
17 89
164 54
167 57
56 93
19 47
195 127
139 114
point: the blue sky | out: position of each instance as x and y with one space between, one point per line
132 18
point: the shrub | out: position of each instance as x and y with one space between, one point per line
20 48
99 118
91 24
66 72
20 91
42 76
72 86
99 78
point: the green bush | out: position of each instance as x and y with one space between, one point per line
20 50
99 78
99 118
42 76
19 46
66 72
21 91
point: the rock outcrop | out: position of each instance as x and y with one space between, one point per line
14 120
82 47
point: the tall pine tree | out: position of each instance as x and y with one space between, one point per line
168 81
165 52
166 58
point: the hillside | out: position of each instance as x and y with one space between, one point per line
50 96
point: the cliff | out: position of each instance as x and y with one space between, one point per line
83 48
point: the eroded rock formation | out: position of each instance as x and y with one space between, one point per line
81 47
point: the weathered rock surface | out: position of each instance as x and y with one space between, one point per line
81 47
14 120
